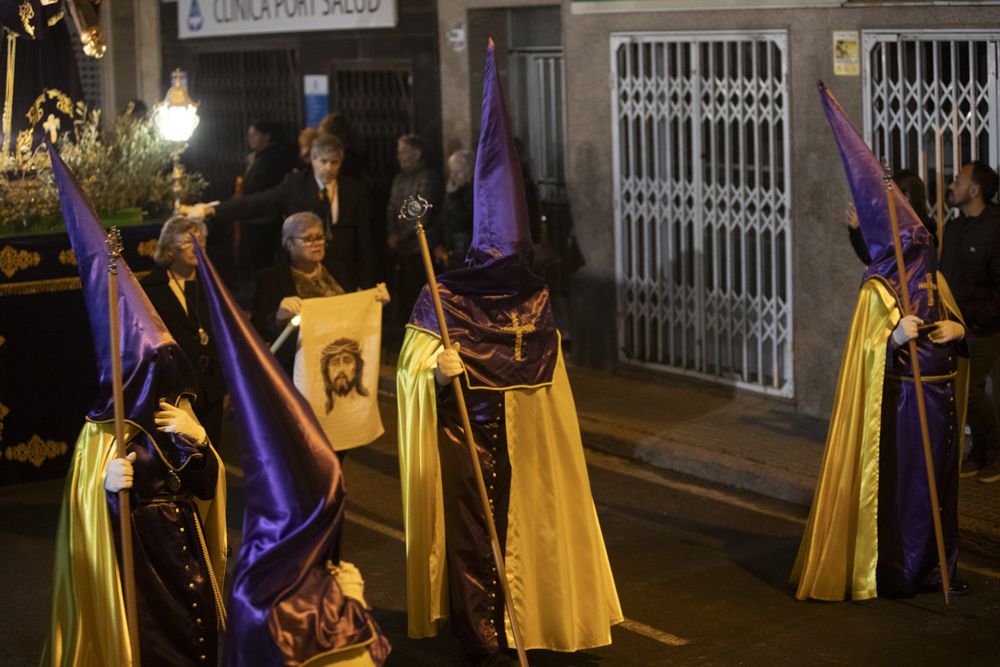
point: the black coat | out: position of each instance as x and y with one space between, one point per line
970 262
184 328
350 239
273 285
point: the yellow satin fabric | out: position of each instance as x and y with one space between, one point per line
88 610
557 564
839 550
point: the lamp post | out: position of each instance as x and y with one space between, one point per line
176 118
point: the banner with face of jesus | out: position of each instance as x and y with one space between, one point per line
337 364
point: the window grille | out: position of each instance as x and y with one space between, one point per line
702 196
922 84
234 88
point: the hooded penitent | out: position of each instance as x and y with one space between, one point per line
497 295
526 434
292 599
870 531
178 496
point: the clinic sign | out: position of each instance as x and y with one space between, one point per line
220 18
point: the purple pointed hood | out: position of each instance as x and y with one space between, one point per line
285 606
496 308
865 177
153 366
500 224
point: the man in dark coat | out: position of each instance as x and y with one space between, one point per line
970 260
340 201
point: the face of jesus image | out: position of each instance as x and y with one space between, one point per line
341 366
342 372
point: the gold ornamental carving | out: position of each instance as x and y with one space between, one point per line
27 13
13 260
147 248
36 451
4 411
67 257
63 103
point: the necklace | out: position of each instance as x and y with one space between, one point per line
202 334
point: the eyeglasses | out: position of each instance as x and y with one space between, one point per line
186 243
312 240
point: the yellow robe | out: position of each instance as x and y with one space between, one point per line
557 564
88 611
839 549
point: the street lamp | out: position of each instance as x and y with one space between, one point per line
176 117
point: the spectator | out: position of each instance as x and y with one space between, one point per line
414 178
454 233
173 289
970 262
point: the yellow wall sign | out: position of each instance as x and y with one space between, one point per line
846 53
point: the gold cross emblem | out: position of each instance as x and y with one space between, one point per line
928 285
518 330
51 126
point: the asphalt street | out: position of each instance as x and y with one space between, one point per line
701 572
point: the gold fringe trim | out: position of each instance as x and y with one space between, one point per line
36 451
49 285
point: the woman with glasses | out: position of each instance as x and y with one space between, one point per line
173 289
304 275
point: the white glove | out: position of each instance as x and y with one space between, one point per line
289 307
173 419
906 330
946 331
449 365
118 474
381 294
349 578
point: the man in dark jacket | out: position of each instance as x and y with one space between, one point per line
970 261
340 201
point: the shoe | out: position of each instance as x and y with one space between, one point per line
989 474
958 588
970 468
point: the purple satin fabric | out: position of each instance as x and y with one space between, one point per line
864 175
285 606
480 305
500 213
475 597
153 366
908 559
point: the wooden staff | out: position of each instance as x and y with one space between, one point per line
413 210
124 505
919 389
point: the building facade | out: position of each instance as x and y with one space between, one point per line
705 192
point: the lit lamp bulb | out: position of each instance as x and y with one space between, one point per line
176 118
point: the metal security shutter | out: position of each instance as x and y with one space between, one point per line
702 198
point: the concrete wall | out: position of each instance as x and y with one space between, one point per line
825 272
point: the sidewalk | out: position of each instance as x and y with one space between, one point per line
730 438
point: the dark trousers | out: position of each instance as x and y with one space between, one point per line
983 419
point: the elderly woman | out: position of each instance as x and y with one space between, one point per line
173 289
306 274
